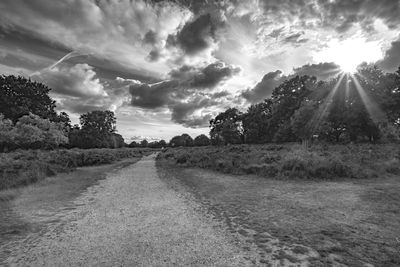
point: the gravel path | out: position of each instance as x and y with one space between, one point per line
131 219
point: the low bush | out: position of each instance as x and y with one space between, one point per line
291 160
24 167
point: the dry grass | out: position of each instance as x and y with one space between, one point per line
347 221
292 160
23 167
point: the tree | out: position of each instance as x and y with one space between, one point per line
286 99
187 140
144 143
201 140
256 123
98 122
97 131
133 144
177 141
20 96
226 127
31 132
303 120
162 143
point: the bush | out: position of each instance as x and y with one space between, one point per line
290 160
21 167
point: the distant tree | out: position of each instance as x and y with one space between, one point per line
187 140
144 143
98 122
226 127
201 140
20 96
162 143
97 131
177 141
133 144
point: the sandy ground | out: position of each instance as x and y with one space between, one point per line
301 222
131 218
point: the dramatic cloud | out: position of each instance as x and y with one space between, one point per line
196 35
322 71
391 61
187 92
78 80
163 58
264 88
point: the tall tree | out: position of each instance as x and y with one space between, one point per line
226 127
256 123
20 96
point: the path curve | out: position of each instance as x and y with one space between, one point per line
132 219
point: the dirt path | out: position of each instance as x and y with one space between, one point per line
130 219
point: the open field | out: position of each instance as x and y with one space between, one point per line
292 160
23 167
294 214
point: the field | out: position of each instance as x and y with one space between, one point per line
331 205
23 167
292 160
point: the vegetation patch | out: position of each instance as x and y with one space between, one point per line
23 167
291 160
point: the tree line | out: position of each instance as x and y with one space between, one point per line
360 107
28 120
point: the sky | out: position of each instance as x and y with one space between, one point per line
167 67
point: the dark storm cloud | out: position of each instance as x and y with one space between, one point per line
150 37
152 96
207 77
196 35
321 71
154 55
391 60
181 112
264 88
186 92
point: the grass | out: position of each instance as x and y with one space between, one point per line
291 160
313 201
23 167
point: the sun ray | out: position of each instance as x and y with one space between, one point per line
323 109
375 113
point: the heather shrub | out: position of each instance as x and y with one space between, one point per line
321 161
23 167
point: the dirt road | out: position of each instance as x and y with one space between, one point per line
131 218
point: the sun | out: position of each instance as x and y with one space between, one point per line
350 53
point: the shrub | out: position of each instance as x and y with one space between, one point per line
23 167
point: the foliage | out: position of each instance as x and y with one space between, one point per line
359 107
291 160
20 96
97 131
31 131
23 167
226 128
181 140
201 140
